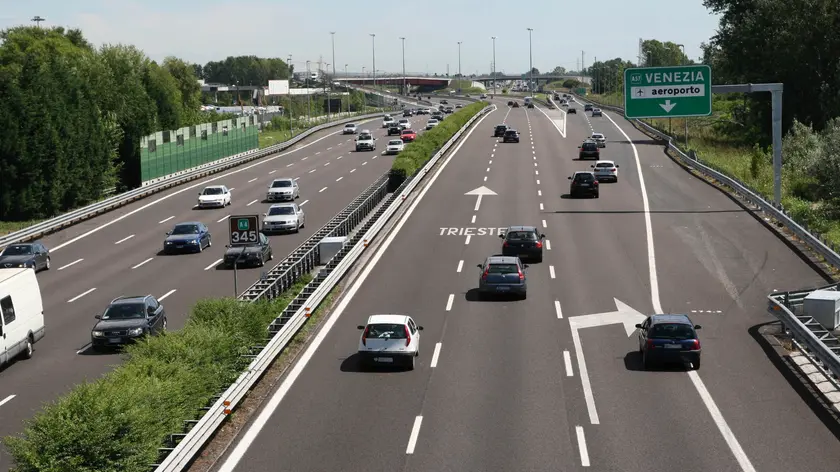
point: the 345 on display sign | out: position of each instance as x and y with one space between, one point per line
244 229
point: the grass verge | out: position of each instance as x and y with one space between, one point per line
417 153
118 422
7 227
252 403
749 165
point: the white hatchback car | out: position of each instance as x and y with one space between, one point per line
606 171
214 196
350 128
600 139
395 146
389 340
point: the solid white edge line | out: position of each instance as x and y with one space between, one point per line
584 453
162 297
460 265
567 360
7 399
558 309
248 436
415 431
449 301
436 355
728 436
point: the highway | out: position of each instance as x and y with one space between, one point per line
118 254
499 384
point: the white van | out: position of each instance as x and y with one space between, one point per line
21 313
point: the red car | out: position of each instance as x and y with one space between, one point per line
408 135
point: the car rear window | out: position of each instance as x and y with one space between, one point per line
503 269
590 146
604 164
584 178
672 331
521 236
386 330
511 132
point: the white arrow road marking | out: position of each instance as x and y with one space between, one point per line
480 191
667 106
625 315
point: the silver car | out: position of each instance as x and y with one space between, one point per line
284 217
283 190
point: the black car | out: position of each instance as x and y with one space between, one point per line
531 105
253 254
444 102
583 183
511 136
515 104
187 237
587 107
589 149
394 129
33 255
669 338
572 110
408 112
499 131
510 103
524 242
126 320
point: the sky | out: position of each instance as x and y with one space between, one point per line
203 30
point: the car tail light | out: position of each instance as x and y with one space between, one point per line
505 244
521 275
650 343
407 336
365 335
484 275
695 345
539 245
595 183
612 170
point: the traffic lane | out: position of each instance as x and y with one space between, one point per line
317 173
649 420
332 403
485 410
165 276
136 244
721 263
598 245
311 145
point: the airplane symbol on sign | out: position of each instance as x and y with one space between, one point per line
640 93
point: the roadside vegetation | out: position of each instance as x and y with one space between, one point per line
736 139
417 153
118 422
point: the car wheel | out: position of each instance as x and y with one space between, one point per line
539 259
209 242
524 296
411 362
163 326
646 363
28 351
262 261
597 194
47 265
297 228
271 255
696 363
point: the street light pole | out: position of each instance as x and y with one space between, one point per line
530 58
332 33
329 92
308 93
291 120
373 43
459 65
404 90
346 90
494 64
37 19
686 118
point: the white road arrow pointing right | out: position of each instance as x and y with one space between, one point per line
667 106
624 314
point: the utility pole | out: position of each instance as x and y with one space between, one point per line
460 76
332 81
404 90
686 118
373 43
37 19
346 90
494 64
583 68
594 82
308 92
530 58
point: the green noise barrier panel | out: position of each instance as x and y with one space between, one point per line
168 152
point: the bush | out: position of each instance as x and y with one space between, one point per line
117 423
417 153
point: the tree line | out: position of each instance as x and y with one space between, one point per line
72 114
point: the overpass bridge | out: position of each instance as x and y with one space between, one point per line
537 78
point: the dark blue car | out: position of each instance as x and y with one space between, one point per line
191 236
669 338
503 275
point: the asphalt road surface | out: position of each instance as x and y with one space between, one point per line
117 254
498 384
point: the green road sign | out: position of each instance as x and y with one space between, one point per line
668 92
243 224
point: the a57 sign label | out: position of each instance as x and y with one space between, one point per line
244 230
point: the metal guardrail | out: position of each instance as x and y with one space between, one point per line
820 345
816 242
116 201
185 446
